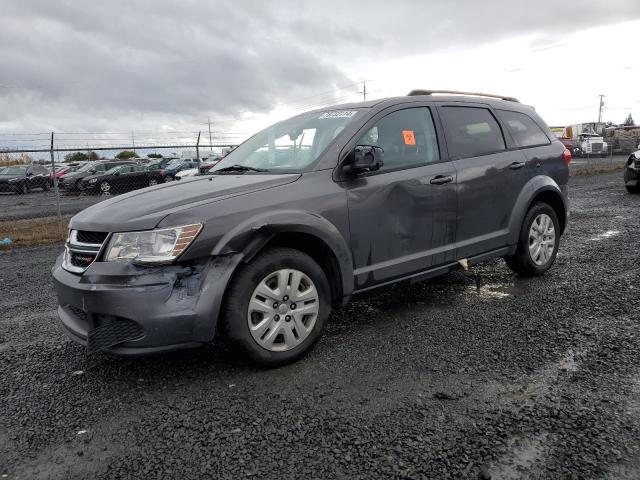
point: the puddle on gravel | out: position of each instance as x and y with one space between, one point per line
496 290
605 235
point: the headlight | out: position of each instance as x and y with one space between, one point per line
151 246
93 180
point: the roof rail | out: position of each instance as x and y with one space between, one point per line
413 93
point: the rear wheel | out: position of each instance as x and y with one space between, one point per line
538 242
633 188
152 182
276 306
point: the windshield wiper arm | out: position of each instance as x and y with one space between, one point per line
240 168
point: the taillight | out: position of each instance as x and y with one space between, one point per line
162 173
566 156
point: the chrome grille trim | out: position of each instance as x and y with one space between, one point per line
74 246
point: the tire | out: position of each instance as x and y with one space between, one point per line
287 334
152 182
46 186
24 188
633 189
525 262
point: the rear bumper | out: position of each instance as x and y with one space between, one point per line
129 310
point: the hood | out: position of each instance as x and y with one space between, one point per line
144 209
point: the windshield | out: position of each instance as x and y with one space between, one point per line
14 171
291 145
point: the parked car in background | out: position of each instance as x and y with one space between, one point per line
632 173
176 166
122 178
24 178
62 170
209 164
157 164
191 172
310 212
70 181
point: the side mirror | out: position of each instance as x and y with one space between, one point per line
29 174
365 158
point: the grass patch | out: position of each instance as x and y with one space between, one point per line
36 231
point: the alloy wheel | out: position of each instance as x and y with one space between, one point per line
105 187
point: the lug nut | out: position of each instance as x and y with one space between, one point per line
276 318
275 304
292 306
287 318
285 298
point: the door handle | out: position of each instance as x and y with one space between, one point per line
516 165
441 179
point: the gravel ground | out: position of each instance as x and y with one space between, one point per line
475 375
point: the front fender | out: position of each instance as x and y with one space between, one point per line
531 190
257 230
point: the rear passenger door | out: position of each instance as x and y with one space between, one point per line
491 174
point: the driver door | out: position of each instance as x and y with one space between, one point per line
403 216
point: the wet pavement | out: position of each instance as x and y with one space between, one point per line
472 375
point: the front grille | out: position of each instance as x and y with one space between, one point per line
81 259
97 238
83 248
596 147
112 331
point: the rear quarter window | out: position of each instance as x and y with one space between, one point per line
524 130
472 131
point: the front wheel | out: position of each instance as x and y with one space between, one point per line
538 242
152 182
277 306
633 188
105 188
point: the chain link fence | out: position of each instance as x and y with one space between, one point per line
39 195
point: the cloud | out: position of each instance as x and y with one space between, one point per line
79 64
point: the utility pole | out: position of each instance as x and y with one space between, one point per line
601 106
198 150
133 141
210 142
364 91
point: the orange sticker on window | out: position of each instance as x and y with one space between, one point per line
409 138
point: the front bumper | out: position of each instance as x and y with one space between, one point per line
128 310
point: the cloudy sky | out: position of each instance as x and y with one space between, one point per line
161 68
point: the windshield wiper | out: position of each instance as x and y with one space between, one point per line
240 168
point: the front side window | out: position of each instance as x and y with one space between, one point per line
525 132
291 145
472 131
408 138
14 171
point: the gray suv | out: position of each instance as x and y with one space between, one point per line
309 212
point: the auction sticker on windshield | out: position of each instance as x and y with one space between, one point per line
338 114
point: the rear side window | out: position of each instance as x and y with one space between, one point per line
525 132
472 131
408 138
